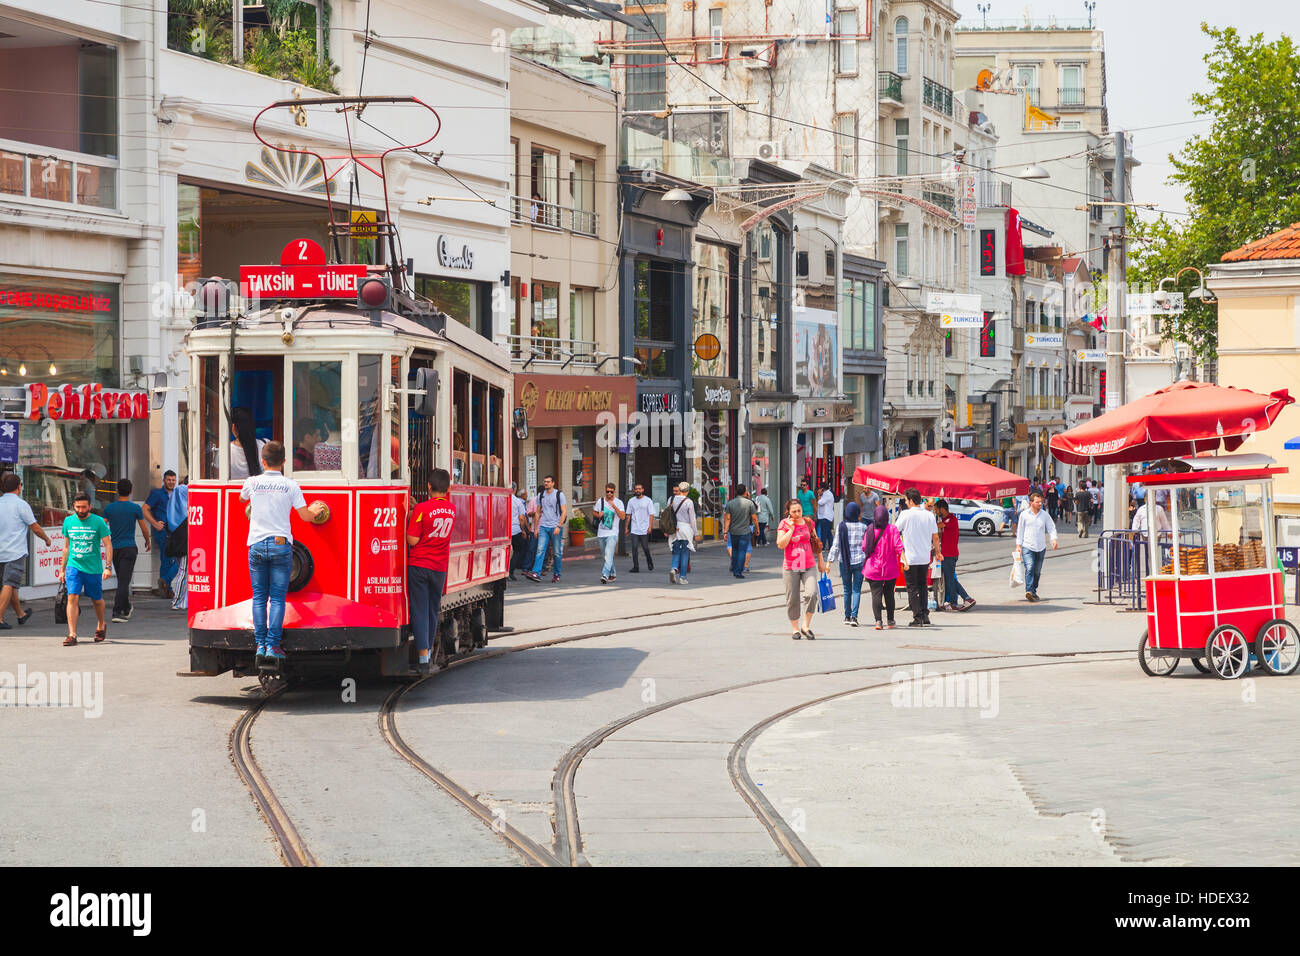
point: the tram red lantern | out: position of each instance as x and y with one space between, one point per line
374 293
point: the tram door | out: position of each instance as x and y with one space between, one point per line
420 435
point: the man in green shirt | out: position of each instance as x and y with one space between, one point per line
806 499
82 568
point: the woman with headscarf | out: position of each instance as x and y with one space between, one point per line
847 549
244 438
883 547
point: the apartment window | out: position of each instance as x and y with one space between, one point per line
911 382
653 313
715 33
1071 92
900 249
514 169
830 264
544 169
900 45
1027 79
715 286
846 50
582 314
582 187
846 144
801 264
858 314
647 76
546 310
901 129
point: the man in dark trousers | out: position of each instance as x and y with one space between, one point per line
739 524
123 515
920 533
155 512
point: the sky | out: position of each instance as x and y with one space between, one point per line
1154 63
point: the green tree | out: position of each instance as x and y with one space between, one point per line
1242 178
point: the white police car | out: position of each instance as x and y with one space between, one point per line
985 518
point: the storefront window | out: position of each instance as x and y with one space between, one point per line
317 416
654 323
715 463
459 299
711 309
764 309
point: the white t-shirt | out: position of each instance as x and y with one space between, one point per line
604 512
239 461
917 525
274 497
640 510
826 506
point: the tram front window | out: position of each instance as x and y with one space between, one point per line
317 418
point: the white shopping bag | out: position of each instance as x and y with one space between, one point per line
1017 570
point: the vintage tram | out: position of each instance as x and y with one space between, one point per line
367 404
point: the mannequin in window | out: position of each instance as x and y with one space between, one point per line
243 437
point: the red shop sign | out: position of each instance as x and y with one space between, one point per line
84 403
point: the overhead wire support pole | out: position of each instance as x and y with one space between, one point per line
1115 501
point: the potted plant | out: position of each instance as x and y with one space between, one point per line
577 530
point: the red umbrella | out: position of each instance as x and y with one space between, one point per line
1186 418
941 472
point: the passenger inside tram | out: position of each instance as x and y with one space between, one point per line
308 434
242 437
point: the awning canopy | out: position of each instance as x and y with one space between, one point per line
941 472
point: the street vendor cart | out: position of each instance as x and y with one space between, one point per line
1214 594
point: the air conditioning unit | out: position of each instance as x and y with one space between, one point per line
769 151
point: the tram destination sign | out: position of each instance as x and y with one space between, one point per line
300 282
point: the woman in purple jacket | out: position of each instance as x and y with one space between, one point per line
883 546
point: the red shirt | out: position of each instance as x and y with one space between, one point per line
432 520
948 537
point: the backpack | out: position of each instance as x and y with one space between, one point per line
668 518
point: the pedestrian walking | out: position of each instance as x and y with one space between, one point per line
428 540
739 524
1032 534
1083 509
83 569
16 519
796 535
807 500
955 597
1094 491
684 535
530 522
766 514
552 513
272 499
610 514
1053 499
868 498
825 515
920 533
155 512
178 542
123 517
640 510
519 529
885 557
846 548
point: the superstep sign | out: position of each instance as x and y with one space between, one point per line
301 274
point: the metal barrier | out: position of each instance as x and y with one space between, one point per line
1122 559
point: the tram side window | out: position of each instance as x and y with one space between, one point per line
1238 513
317 418
419 435
210 416
370 416
496 427
395 429
460 427
478 433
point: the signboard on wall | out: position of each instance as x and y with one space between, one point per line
816 352
716 394
549 400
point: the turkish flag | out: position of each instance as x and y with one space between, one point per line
1015 245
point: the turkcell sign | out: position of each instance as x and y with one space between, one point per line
1090 355
950 320
948 303
300 282
1044 340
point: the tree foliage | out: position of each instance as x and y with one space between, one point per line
1242 178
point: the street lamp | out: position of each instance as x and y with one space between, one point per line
1034 171
677 194
1200 292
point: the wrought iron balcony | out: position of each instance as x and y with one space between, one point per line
889 86
1068 97
936 96
553 215
549 350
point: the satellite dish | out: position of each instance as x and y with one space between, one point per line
984 80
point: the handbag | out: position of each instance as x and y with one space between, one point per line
826 592
61 605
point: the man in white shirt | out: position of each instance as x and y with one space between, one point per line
920 533
640 511
1033 531
826 516
272 499
609 515
1151 513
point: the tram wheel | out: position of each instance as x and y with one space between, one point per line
1227 652
478 627
1154 663
1278 647
1200 665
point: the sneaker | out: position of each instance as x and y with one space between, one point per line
613 577
915 624
603 579
672 576
258 653
275 652
881 627
119 619
635 570
967 605
129 612
555 579
682 580
1029 596
649 565
6 626
853 621
532 577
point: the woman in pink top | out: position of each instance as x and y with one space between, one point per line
883 546
803 560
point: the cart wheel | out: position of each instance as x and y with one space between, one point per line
1154 663
1227 652
1200 665
1278 647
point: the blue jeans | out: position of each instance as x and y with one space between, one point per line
424 589
1033 568
952 589
851 575
169 566
545 537
269 566
681 556
824 526
607 546
739 551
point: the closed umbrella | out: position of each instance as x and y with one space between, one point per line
1186 418
941 472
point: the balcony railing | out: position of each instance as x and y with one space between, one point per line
1031 92
944 200
553 215
1058 401
1069 96
889 86
28 171
644 150
936 96
990 192
548 350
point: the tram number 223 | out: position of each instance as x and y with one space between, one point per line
194 514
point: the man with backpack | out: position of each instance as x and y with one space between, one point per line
552 512
677 522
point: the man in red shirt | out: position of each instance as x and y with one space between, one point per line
954 595
428 537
